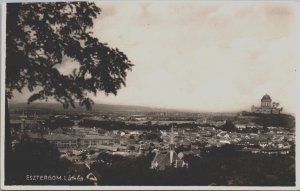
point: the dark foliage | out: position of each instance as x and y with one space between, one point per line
229 126
221 166
35 158
281 120
277 120
58 122
154 135
118 170
41 35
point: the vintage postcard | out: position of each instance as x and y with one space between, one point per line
133 95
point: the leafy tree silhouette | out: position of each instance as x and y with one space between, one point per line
39 36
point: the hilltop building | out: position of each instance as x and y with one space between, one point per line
267 106
167 159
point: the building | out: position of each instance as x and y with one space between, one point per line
275 151
62 141
84 173
241 126
168 159
267 106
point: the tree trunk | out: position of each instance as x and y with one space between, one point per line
8 145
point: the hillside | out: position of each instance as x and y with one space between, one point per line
95 108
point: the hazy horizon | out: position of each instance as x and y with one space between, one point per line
14 102
197 55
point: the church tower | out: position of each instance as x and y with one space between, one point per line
166 159
171 145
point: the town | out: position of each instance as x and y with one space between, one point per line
171 136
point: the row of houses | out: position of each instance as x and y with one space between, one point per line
241 126
268 151
63 141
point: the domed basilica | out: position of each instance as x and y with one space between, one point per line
267 106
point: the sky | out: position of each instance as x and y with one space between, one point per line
205 56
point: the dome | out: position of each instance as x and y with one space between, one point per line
266 97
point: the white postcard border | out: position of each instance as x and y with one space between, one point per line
2 121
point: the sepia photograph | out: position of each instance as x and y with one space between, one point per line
149 95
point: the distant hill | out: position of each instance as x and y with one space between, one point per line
95 108
57 107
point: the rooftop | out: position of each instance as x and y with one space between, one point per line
266 97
